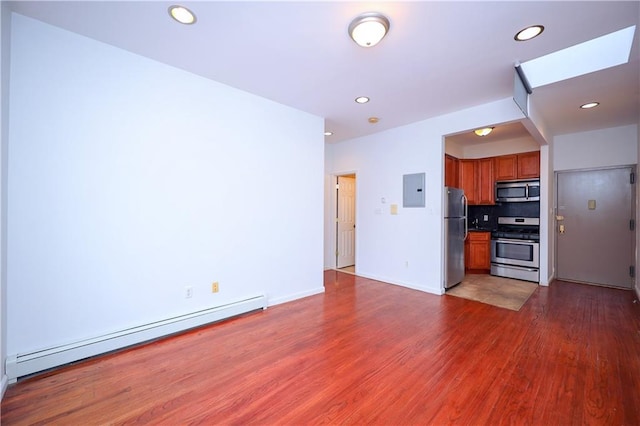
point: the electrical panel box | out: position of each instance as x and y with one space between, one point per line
413 190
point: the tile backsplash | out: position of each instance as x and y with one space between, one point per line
527 209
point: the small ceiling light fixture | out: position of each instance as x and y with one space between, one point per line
484 131
362 99
373 120
529 33
369 28
589 105
182 14
328 133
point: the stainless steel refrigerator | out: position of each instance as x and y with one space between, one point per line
455 232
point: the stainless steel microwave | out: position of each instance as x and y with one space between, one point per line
511 191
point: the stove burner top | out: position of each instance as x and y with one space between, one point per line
517 228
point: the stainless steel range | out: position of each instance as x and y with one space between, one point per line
515 248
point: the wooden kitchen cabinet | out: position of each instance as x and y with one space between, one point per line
529 165
450 171
517 166
477 252
485 182
467 179
476 179
506 167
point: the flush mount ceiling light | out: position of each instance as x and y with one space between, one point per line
590 105
529 33
362 99
368 29
182 14
484 131
328 133
373 120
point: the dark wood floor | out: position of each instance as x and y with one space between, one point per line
368 352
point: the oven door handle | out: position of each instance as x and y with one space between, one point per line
517 268
511 240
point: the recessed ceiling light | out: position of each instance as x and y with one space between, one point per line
182 14
368 29
590 105
373 120
484 131
529 33
328 133
362 99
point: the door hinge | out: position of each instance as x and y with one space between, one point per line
337 186
337 219
632 178
632 224
632 271
337 253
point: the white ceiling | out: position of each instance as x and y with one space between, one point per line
439 56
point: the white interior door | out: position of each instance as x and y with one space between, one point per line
595 227
346 222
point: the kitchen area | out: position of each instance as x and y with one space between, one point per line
500 211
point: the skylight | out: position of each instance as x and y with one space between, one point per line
593 55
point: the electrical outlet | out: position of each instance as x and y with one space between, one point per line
188 292
215 287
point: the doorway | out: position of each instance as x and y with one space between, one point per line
346 222
595 226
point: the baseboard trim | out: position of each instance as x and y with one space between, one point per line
431 290
20 365
292 297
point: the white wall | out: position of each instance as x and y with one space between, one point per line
617 146
547 217
5 36
130 179
494 149
404 249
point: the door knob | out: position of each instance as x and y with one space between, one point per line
559 217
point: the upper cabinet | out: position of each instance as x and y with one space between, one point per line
506 167
476 179
467 179
517 166
529 165
485 181
450 171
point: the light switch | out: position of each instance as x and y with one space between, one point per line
394 209
592 204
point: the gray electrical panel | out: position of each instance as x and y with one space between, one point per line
413 190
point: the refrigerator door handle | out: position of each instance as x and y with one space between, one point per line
466 223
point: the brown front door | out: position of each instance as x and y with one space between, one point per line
594 226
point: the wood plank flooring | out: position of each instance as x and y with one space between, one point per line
367 352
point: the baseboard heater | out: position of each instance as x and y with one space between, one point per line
29 363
